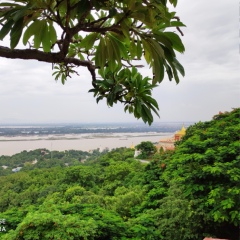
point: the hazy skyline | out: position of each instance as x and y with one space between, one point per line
29 93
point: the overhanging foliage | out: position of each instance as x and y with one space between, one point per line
110 37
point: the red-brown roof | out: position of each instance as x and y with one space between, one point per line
209 238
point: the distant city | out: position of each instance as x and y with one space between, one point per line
50 129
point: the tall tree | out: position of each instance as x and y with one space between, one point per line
108 37
147 149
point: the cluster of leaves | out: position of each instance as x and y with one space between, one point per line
130 88
108 36
191 193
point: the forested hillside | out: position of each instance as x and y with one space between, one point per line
43 158
189 193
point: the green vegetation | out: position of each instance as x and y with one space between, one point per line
186 194
110 38
43 158
147 150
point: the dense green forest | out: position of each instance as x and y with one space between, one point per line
189 193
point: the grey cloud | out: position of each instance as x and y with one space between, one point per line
29 92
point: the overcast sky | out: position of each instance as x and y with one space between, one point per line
29 93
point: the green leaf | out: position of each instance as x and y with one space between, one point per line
63 78
81 56
117 89
46 40
19 14
157 47
174 64
179 67
158 70
40 26
82 7
125 29
16 33
119 44
174 2
112 12
146 115
88 41
151 101
154 55
148 51
161 38
99 98
139 16
110 99
115 49
6 28
138 108
113 54
175 74
30 31
52 33
101 54
133 49
169 71
176 41
139 49
177 24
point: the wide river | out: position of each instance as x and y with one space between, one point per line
84 142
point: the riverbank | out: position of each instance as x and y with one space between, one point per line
84 142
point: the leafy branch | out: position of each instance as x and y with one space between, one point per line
104 36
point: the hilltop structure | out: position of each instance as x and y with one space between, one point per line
165 143
168 143
178 135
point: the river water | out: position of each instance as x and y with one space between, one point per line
84 142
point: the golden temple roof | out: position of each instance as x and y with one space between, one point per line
182 131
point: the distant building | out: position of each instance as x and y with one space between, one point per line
17 169
168 143
178 135
165 143
136 152
34 161
44 152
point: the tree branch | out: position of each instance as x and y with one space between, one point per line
33 54
178 28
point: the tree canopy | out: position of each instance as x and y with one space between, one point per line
147 149
110 38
